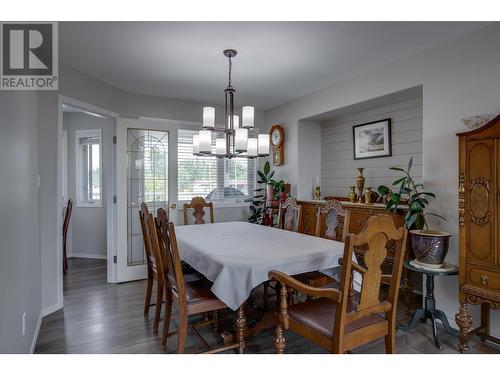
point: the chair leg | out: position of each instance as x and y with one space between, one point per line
183 326
390 340
279 340
159 298
147 301
215 324
166 322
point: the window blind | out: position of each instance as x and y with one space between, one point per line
209 177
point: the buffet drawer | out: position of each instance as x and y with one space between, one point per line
484 278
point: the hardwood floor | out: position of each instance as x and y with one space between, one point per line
108 318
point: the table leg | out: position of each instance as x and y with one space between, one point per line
442 317
418 314
434 329
241 325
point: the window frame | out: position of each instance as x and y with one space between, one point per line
80 202
216 202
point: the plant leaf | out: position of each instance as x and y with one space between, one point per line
430 213
397 169
428 193
383 190
262 177
271 174
410 164
267 167
398 181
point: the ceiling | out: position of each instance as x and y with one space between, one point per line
276 62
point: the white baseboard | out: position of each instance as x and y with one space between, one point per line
35 334
51 309
87 256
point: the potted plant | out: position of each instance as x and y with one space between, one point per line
429 246
275 192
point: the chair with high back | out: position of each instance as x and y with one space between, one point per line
335 320
289 218
152 267
332 222
67 219
188 298
198 205
290 215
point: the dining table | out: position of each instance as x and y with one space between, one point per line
238 256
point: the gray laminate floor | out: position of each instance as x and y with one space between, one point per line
108 318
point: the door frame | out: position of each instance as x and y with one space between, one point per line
110 191
170 126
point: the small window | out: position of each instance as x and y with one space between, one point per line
89 167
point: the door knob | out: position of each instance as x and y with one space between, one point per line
173 206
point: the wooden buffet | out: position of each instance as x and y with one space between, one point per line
359 213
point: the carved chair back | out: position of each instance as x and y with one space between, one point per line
148 246
332 221
290 215
67 218
172 267
198 205
377 231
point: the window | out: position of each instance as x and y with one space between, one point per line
211 178
89 168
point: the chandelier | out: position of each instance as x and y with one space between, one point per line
233 140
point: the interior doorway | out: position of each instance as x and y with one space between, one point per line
87 177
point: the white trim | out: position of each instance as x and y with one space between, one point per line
51 309
35 334
87 256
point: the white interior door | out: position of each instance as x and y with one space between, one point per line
146 152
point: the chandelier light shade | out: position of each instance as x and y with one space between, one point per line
247 114
263 146
220 147
196 144
209 117
236 122
205 141
252 147
236 142
241 140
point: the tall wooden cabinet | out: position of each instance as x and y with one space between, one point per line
479 228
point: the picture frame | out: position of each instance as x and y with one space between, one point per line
372 139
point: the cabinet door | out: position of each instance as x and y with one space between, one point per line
480 201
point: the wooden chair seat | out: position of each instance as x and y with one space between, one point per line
319 315
198 293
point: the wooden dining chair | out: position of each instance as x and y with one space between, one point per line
67 219
332 222
152 267
188 298
289 218
333 319
198 205
290 215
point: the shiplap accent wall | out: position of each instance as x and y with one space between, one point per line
338 167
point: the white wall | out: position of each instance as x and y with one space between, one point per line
19 222
87 232
338 167
459 78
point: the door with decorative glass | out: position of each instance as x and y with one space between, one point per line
145 173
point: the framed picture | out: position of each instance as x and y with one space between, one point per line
372 140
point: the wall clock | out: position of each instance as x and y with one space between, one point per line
277 135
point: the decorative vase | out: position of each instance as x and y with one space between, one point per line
368 195
430 247
352 194
317 193
360 184
271 201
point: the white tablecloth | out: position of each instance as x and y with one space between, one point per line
237 256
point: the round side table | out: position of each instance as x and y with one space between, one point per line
429 311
